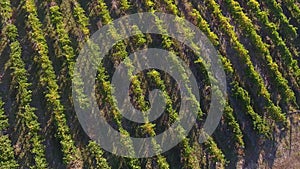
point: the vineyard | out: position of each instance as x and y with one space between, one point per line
257 41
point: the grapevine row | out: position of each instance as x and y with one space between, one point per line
105 83
168 44
7 157
140 40
108 98
47 80
293 8
25 111
20 82
277 79
191 161
148 126
257 85
290 64
97 152
285 28
63 39
64 43
237 92
68 18
228 111
82 20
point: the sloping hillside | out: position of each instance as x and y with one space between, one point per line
257 41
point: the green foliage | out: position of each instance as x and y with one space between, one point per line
125 5
258 122
257 84
25 111
82 20
216 153
286 29
246 88
172 6
102 10
102 78
169 45
3 119
20 82
5 11
47 79
7 158
97 152
121 52
65 44
277 79
293 8
290 64
231 121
